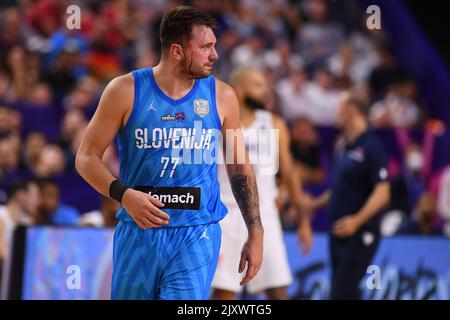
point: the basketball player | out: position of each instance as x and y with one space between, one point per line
167 241
252 90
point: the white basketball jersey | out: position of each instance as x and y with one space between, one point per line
258 137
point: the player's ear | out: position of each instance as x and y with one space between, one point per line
176 51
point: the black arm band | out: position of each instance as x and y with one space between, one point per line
116 190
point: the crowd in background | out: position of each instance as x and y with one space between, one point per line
51 79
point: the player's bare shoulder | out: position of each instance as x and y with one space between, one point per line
227 102
118 97
279 123
123 82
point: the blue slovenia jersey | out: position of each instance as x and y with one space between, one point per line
169 147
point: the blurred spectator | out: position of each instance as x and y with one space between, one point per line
106 217
320 37
22 69
71 46
84 96
10 118
386 73
324 97
265 15
9 151
294 95
51 210
22 205
113 29
74 120
52 162
305 150
60 76
42 95
281 60
443 199
412 174
46 16
426 219
350 64
406 190
34 144
225 46
399 107
11 31
4 85
9 160
251 52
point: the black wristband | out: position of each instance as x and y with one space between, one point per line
116 190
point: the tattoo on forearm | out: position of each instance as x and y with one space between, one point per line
246 195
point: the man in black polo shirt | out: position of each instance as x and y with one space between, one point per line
359 189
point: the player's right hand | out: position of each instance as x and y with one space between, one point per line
144 209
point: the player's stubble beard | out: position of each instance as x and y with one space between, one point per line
191 71
253 103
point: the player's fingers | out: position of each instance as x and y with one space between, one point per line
242 262
253 267
155 201
246 279
257 267
251 272
157 212
142 223
154 219
152 224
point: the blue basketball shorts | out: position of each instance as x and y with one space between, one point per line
164 263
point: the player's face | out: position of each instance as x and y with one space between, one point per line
32 200
200 53
256 86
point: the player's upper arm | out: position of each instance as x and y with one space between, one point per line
115 105
227 106
228 109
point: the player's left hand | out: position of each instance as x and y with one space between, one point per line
346 226
252 256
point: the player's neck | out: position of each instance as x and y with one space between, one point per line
171 80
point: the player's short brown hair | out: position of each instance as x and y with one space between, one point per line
177 24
